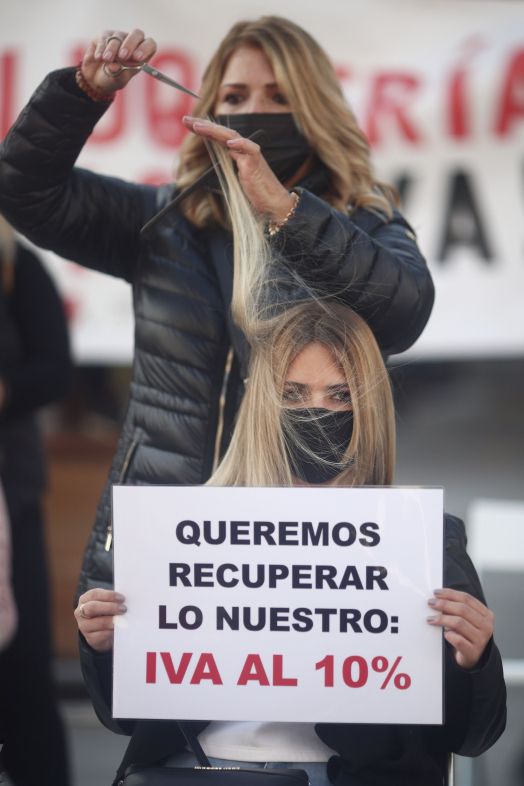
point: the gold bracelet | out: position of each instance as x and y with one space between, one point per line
275 226
92 92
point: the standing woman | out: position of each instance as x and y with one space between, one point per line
338 228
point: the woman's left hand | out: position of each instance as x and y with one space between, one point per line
467 623
262 188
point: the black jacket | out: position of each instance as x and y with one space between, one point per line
181 280
369 755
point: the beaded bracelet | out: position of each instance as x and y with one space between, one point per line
275 226
85 87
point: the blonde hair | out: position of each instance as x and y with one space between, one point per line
257 453
307 77
277 331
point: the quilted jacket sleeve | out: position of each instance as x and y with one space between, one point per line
373 264
476 699
85 217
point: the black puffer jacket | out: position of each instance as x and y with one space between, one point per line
181 280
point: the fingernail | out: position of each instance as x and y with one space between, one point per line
432 619
432 602
232 142
438 591
108 55
119 597
139 55
123 53
122 609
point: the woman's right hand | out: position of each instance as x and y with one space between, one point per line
126 48
94 617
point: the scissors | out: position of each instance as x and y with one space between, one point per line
147 69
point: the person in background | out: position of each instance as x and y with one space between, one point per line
317 410
35 369
311 181
8 616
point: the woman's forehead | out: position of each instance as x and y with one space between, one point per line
315 364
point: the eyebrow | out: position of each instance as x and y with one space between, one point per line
303 386
240 85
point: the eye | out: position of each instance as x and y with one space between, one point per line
232 98
292 394
279 98
341 396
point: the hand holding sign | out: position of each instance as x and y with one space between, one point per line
94 616
468 624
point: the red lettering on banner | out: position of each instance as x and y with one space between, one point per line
458 115
206 669
390 95
165 119
253 670
459 111
512 101
8 71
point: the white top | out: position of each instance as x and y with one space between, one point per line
243 741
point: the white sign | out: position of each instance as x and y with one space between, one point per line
436 86
295 604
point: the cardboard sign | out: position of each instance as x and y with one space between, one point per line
288 604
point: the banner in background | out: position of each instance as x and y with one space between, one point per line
438 87
311 600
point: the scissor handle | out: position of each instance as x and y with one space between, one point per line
120 68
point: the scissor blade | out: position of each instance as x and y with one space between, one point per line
163 78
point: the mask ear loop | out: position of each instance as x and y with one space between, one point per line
198 183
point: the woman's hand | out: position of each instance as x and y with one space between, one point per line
467 623
262 188
94 617
126 48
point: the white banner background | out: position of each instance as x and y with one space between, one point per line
390 631
437 85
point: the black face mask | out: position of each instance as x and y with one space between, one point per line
325 433
284 147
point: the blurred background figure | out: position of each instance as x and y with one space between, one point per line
35 369
7 604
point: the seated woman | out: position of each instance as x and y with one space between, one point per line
318 410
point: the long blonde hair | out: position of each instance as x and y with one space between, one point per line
277 331
307 77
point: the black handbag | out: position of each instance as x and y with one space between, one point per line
204 774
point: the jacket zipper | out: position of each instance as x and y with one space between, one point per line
121 478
